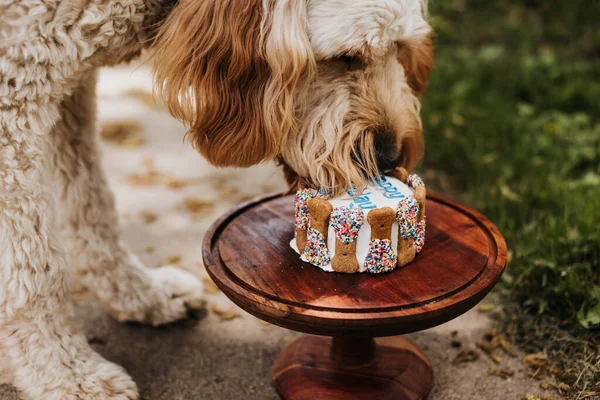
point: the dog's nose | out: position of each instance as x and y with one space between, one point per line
387 153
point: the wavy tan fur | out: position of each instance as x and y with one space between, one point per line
265 79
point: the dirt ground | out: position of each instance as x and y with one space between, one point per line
167 197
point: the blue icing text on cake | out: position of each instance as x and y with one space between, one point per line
364 201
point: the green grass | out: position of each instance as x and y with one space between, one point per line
512 125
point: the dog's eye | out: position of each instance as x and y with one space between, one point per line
352 62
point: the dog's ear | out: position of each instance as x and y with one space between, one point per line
413 147
229 69
413 143
417 59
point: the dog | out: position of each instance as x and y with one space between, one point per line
327 88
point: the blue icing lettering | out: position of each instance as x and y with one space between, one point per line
390 195
393 193
363 206
381 179
364 200
390 191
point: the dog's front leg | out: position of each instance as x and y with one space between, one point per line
128 290
50 361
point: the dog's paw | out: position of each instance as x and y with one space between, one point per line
181 291
158 296
103 380
87 377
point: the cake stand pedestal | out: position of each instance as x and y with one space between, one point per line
247 254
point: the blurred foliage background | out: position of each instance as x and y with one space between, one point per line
512 125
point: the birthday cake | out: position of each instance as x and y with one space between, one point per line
375 231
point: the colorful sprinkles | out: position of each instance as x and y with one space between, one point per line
381 257
346 223
301 207
414 180
406 215
316 251
420 235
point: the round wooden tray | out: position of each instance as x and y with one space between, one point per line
247 254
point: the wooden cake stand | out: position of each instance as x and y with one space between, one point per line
247 254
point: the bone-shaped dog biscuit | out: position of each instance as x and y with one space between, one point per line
316 250
302 217
320 210
346 222
381 257
301 239
381 221
406 215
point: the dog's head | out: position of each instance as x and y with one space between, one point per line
329 87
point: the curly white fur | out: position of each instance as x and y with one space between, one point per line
370 26
49 51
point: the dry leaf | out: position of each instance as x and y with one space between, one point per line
126 134
145 97
228 192
510 328
564 386
148 178
176 183
509 256
148 216
152 177
225 315
484 308
535 360
538 366
488 348
465 356
173 259
508 193
209 286
198 206
545 386
493 342
530 396
500 372
505 345
490 334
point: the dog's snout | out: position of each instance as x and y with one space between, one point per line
386 151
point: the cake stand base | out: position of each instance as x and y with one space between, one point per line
348 368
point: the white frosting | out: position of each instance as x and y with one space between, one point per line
387 192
